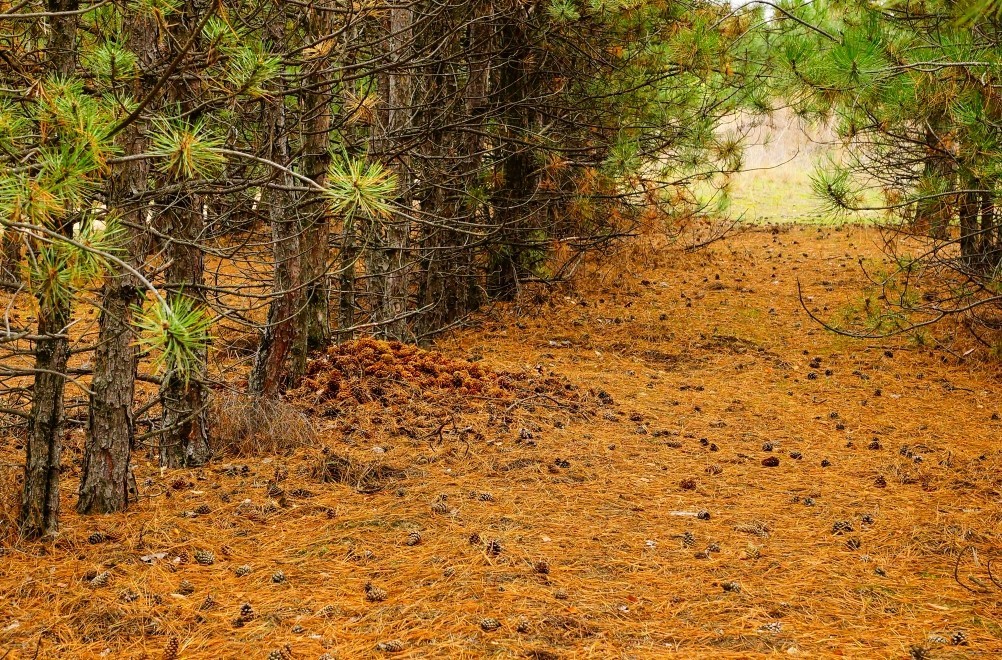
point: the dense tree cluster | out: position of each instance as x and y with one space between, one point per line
299 173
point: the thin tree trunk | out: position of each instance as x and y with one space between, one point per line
388 264
346 281
969 228
989 246
39 514
514 201
316 108
10 260
280 356
185 438
184 441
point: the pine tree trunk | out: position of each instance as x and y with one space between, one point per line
969 228
281 358
185 438
39 513
514 200
10 260
104 482
989 247
316 108
452 159
388 264
346 281
184 441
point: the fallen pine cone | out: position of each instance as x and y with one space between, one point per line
172 648
392 646
770 461
489 624
374 594
101 579
205 557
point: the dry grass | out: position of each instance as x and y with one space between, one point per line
247 426
577 529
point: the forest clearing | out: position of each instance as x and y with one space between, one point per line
600 552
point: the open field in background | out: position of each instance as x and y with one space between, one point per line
776 184
531 488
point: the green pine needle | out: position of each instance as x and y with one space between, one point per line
357 186
177 334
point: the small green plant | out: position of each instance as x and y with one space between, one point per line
176 334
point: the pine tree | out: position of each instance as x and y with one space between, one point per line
910 89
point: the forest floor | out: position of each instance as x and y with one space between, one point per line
593 471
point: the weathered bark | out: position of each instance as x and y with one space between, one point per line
104 482
10 259
281 358
185 438
39 514
388 265
184 441
316 122
61 49
279 350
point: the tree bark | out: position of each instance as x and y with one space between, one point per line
281 357
514 204
104 482
989 245
39 513
184 441
185 438
346 281
10 260
969 240
316 109
388 264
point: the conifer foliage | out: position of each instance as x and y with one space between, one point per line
177 176
911 89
